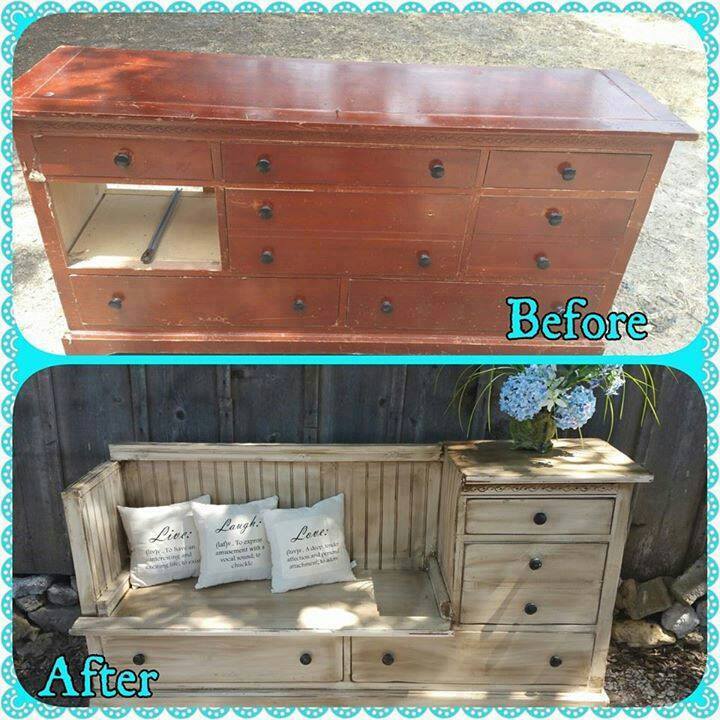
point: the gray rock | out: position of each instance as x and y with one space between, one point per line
642 599
22 629
692 584
54 618
64 595
679 619
694 638
640 634
36 648
31 585
28 603
73 583
701 611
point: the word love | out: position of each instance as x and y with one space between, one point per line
125 683
306 534
568 323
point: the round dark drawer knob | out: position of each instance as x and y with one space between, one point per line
266 257
265 211
115 303
305 659
555 661
554 217
540 518
299 305
123 159
535 564
263 165
424 259
139 659
437 169
530 608
388 659
386 306
568 173
543 262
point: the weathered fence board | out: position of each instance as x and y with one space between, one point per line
66 416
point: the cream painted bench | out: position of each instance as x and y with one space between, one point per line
484 575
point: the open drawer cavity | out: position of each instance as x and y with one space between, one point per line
136 227
399 602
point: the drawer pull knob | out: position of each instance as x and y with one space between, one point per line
535 564
263 165
265 211
530 608
554 217
437 169
298 305
543 262
568 173
266 257
386 306
555 661
115 303
424 259
540 518
139 659
305 659
388 659
123 159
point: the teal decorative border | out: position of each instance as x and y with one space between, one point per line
21 360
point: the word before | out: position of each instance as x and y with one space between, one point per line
568 323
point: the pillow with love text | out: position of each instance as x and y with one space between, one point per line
163 542
307 545
233 544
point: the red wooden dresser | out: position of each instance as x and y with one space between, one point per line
330 206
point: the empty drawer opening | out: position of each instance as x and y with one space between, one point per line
112 226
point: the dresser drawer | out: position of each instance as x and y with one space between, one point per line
293 255
565 170
178 160
532 583
467 308
267 163
508 563
230 303
539 516
530 604
208 660
476 658
576 217
253 211
540 259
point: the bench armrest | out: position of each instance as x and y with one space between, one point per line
97 539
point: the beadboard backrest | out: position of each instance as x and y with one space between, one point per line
392 492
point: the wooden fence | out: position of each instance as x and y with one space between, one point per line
66 416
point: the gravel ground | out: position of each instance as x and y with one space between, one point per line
667 275
634 678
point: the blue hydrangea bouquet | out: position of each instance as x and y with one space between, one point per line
542 399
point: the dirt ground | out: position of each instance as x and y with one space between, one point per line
667 275
635 678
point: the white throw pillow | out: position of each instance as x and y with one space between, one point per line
163 542
308 545
233 544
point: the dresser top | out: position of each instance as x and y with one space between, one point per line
95 83
570 461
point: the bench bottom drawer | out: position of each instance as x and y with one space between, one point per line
476 658
205 661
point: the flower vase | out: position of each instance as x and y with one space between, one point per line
536 434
